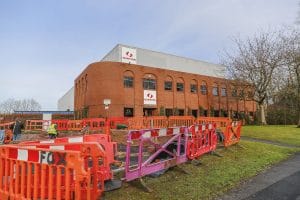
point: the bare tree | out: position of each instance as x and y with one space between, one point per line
255 62
291 50
11 105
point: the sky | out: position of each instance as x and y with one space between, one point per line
45 45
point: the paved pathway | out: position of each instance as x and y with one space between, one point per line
268 142
282 181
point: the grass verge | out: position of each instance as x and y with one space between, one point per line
214 177
284 134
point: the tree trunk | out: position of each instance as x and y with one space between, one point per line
262 114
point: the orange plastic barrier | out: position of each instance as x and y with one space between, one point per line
37 125
232 134
114 121
5 126
156 122
28 173
95 123
62 124
136 123
219 121
75 125
103 139
8 136
181 120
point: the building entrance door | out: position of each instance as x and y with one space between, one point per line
149 111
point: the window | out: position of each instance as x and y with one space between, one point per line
195 113
216 113
128 81
241 94
193 88
223 92
234 93
169 112
250 95
179 87
149 84
168 85
203 89
181 112
128 112
215 90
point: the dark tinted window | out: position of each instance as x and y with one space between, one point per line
128 112
149 84
193 88
128 81
168 85
180 87
203 89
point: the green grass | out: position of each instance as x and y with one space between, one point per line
213 178
284 134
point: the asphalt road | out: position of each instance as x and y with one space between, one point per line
279 182
287 188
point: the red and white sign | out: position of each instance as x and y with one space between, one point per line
128 55
149 97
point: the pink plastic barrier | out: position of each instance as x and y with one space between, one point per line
152 150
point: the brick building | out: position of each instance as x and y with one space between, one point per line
137 90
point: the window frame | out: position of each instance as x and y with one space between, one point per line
215 91
126 81
193 90
177 87
203 89
168 89
149 84
223 92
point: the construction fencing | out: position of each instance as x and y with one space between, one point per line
48 173
79 167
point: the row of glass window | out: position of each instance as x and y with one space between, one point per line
150 84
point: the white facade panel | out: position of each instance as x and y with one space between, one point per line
66 102
166 61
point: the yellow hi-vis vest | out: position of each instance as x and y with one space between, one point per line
51 130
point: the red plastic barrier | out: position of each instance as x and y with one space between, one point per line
202 139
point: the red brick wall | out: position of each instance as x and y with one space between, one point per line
104 80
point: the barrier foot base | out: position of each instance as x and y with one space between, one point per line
112 185
181 169
143 184
241 146
196 162
140 184
216 154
